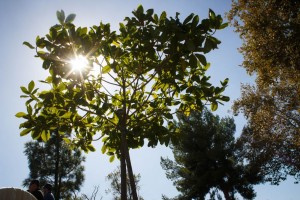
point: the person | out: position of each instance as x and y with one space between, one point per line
34 189
48 192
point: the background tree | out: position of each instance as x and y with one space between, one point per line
93 196
150 66
115 183
55 163
271 34
206 160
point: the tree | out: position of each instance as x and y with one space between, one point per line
115 183
206 160
270 32
53 162
150 66
93 196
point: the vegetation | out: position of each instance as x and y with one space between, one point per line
206 160
53 162
131 82
271 34
115 183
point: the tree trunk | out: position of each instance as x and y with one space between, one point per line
59 186
57 159
123 161
130 174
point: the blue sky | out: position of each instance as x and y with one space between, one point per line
24 20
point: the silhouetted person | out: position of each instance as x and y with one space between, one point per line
34 189
48 192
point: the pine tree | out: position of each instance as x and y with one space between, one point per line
205 159
53 162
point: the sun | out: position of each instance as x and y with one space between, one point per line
79 63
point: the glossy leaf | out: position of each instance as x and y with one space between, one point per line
112 158
20 114
60 16
45 135
31 86
188 18
28 45
214 106
211 14
91 148
24 90
25 132
70 18
67 115
201 59
106 69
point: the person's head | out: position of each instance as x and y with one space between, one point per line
34 185
47 188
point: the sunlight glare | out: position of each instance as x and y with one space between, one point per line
79 63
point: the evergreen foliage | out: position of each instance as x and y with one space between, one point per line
47 166
206 160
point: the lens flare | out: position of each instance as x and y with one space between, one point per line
79 63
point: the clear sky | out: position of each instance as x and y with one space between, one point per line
24 20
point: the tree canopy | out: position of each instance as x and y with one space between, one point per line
131 83
55 163
271 34
206 159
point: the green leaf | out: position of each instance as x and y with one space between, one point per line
190 45
224 25
225 98
168 115
163 16
140 10
66 115
211 14
201 59
104 148
45 135
188 19
35 135
150 12
28 44
225 82
106 69
67 140
112 158
20 114
29 109
214 106
60 16
31 86
25 132
155 18
70 18
24 90
83 31
193 61
195 21
90 147
42 54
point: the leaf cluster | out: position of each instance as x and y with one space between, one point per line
270 31
151 67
